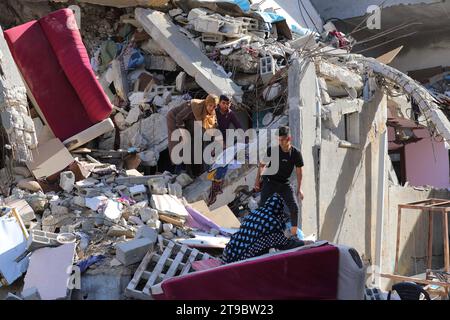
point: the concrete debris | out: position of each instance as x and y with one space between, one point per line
339 77
187 55
424 99
133 251
14 112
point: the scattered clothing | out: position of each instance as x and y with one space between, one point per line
86 263
261 230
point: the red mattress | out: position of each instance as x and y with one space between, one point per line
301 274
53 61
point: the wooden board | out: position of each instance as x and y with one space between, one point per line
388 57
224 217
200 206
49 158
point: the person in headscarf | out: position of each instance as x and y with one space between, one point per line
261 230
184 117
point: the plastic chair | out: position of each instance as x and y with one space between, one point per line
409 291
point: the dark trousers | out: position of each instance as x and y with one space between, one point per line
269 187
193 169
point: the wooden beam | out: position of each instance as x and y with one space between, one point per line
446 244
411 279
397 246
430 240
405 206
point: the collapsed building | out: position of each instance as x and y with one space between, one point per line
348 114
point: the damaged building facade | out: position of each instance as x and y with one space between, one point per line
110 202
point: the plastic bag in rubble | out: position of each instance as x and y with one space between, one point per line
136 59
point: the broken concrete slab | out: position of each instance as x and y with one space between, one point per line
339 76
147 232
187 55
169 204
333 112
49 271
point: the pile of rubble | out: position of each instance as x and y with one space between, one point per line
157 60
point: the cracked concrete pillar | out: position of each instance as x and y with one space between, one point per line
302 95
14 107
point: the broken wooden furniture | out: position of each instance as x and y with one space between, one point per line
433 206
54 63
168 260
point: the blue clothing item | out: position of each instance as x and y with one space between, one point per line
137 59
300 233
86 263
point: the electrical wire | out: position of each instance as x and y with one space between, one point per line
309 16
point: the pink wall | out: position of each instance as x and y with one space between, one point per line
425 166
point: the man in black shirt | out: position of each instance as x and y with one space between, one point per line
289 157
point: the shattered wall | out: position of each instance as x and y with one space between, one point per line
348 182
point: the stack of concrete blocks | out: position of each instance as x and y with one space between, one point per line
131 252
40 239
248 24
267 68
14 111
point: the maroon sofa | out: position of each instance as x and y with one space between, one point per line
319 272
54 63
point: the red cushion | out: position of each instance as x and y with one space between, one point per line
304 274
62 32
56 97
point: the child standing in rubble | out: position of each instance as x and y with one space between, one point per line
184 117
